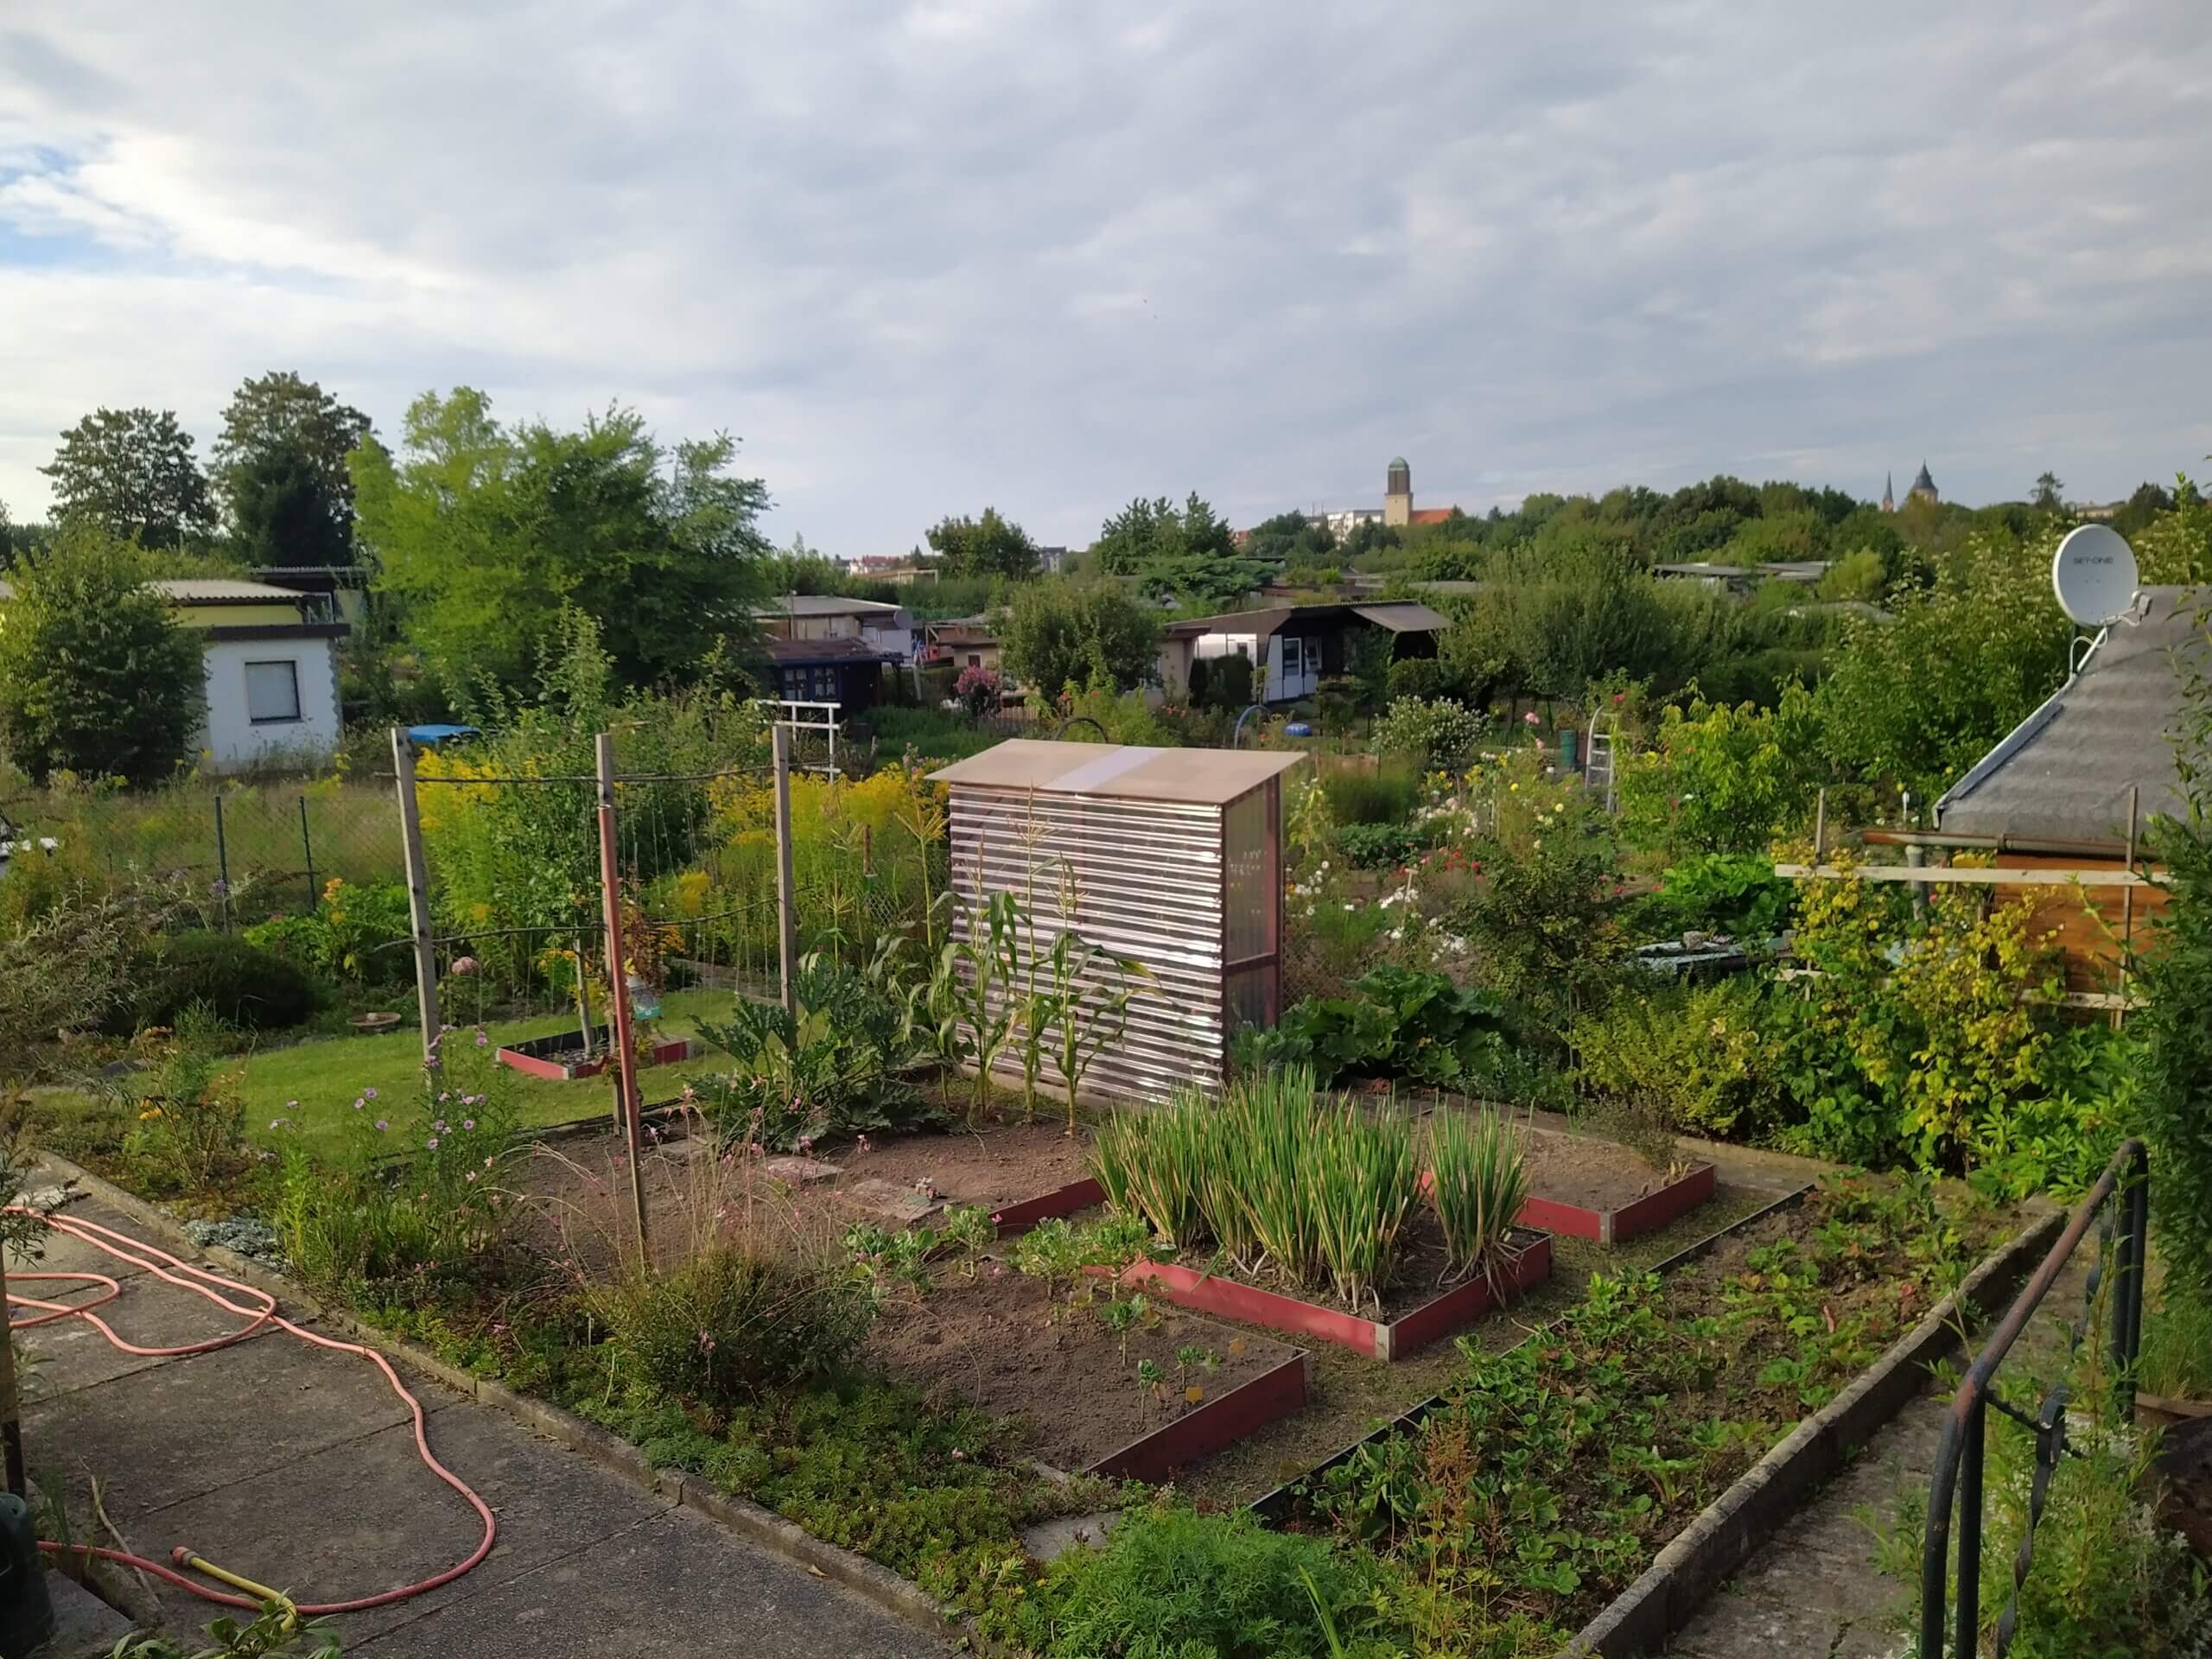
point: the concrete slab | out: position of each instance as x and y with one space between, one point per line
899 1205
1048 1539
184 1426
367 1516
70 1354
84 1627
672 1586
800 1171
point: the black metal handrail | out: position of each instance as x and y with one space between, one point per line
2126 1184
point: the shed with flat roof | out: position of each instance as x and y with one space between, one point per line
1168 859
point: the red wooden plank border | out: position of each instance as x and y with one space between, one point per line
1245 1409
1209 1293
1061 1201
663 1053
1652 1211
1464 1304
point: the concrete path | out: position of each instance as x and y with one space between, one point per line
296 1466
1814 1588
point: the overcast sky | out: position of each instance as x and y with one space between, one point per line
1049 254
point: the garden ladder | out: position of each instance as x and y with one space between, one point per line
1598 757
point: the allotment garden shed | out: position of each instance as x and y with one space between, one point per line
1170 858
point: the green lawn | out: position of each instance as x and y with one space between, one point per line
323 1075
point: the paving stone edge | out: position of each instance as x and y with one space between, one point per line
887 1590
1724 1535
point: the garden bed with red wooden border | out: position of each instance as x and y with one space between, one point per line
1398 1338
1205 1429
562 1058
1617 1225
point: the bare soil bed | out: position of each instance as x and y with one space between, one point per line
1583 1170
1056 1369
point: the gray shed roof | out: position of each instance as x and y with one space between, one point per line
1402 616
825 605
1128 772
2063 773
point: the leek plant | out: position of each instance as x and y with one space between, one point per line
1149 1164
1362 1181
1478 1183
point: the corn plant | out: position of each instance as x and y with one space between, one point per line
1088 1013
1361 1179
971 1007
1478 1183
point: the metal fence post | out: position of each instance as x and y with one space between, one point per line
222 862
2127 1293
1969 1639
786 909
618 988
418 896
307 847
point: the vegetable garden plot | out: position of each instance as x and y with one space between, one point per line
1598 1190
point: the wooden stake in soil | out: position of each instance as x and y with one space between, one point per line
418 896
618 987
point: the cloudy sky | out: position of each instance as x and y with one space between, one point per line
1049 254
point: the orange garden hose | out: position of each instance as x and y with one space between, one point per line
183 1274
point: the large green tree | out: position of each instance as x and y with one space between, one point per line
280 470
97 677
484 532
132 472
1188 553
1054 632
992 545
1291 539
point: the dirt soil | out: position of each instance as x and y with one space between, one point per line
1063 1378
1583 1170
579 1184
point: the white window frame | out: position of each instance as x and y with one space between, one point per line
291 666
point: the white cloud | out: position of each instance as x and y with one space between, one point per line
927 256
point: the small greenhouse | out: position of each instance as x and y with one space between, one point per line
1168 858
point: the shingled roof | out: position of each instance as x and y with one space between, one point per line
2064 772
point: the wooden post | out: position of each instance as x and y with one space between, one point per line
2127 907
222 863
307 847
418 895
618 988
1820 825
786 910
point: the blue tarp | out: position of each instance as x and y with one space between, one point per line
432 736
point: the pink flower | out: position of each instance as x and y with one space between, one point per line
368 1094
1530 718
472 1174
467 1123
382 1125
434 1143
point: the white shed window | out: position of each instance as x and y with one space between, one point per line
272 692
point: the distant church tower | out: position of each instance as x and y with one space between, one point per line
1888 495
1923 487
1398 494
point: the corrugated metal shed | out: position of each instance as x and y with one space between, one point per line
2064 772
1171 858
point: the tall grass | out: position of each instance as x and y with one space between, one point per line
1478 1185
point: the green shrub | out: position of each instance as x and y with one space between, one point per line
1438 734
736 1318
1725 893
830 1072
1229 683
1695 1051
240 984
1173 1584
342 937
1398 1022
1384 795
186 1123
1382 846
1421 678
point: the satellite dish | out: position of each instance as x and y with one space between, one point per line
2094 572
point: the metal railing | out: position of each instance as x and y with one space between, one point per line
2122 1197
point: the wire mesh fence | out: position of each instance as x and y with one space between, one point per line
255 849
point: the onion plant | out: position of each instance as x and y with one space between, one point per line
1478 1183
1149 1163
1361 1179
